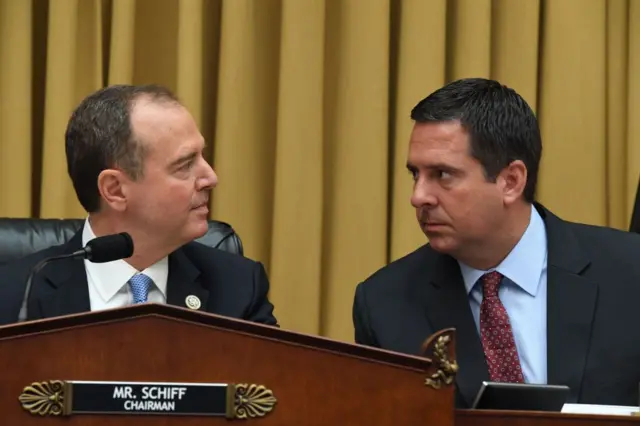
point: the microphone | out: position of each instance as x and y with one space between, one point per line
99 250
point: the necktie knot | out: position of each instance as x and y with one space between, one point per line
490 283
140 285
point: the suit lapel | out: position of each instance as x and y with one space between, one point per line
448 306
68 279
571 301
62 287
183 285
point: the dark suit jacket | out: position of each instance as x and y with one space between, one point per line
593 312
226 284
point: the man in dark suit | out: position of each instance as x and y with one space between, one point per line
134 155
533 298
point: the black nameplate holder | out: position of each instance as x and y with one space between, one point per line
71 397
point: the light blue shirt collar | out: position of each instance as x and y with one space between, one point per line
524 264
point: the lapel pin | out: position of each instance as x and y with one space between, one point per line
193 302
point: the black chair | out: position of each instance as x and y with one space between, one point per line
21 237
634 226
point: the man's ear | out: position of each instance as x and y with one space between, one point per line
112 185
513 180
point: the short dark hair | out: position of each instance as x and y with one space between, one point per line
99 136
502 127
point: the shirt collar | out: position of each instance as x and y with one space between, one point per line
524 264
110 277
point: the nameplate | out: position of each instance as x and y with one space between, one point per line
69 397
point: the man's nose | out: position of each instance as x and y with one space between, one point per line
209 177
423 195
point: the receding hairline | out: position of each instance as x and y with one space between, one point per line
155 101
152 104
160 99
133 163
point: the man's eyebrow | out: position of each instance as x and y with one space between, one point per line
183 159
437 166
442 166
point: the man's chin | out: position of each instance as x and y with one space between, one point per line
441 244
196 229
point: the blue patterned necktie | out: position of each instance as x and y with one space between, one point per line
140 285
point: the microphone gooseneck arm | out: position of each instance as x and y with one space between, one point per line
99 250
22 316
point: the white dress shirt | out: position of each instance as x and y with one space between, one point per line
108 282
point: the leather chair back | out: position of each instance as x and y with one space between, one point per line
634 225
21 237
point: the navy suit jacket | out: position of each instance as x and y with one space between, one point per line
227 284
593 312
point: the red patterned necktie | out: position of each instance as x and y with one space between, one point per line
497 337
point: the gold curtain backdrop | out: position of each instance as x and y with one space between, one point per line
305 106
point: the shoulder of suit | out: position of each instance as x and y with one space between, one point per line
605 241
402 270
593 236
28 261
13 276
200 252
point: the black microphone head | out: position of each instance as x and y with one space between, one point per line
109 248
